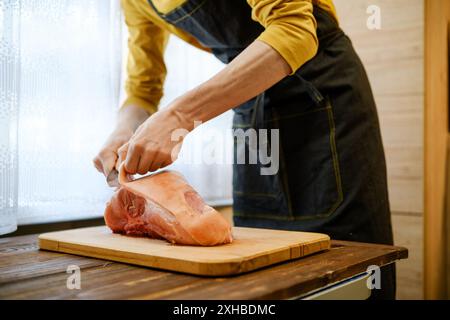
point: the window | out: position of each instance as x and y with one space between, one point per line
60 86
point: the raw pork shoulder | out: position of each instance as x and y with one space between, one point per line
165 206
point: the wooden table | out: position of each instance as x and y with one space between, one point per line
28 273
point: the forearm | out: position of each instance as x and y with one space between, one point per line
152 146
256 69
130 117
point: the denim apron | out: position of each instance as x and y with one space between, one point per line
332 171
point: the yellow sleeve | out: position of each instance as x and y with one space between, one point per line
290 28
145 66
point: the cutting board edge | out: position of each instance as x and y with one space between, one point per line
108 255
222 268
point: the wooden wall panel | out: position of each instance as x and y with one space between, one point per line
409 233
394 60
437 14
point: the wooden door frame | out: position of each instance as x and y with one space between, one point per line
436 114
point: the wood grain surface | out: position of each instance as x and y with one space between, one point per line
29 273
437 18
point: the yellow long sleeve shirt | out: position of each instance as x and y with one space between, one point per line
290 28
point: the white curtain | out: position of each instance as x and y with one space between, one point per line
9 87
60 86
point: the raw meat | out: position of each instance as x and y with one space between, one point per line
165 206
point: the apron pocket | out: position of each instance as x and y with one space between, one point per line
310 162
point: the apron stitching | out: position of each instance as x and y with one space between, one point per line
191 12
335 155
180 8
241 193
250 215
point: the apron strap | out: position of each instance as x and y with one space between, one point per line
312 91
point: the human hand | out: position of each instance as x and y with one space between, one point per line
156 143
106 159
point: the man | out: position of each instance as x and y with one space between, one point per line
289 67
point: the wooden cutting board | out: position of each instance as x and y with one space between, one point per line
251 249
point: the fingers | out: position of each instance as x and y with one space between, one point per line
161 160
98 164
122 155
175 152
145 162
133 156
108 162
104 162
144 158
139 158
123 176
107 159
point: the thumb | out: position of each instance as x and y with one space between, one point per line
108 162
122 155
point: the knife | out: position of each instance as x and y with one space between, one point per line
113 179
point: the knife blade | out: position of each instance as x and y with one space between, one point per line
113 179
